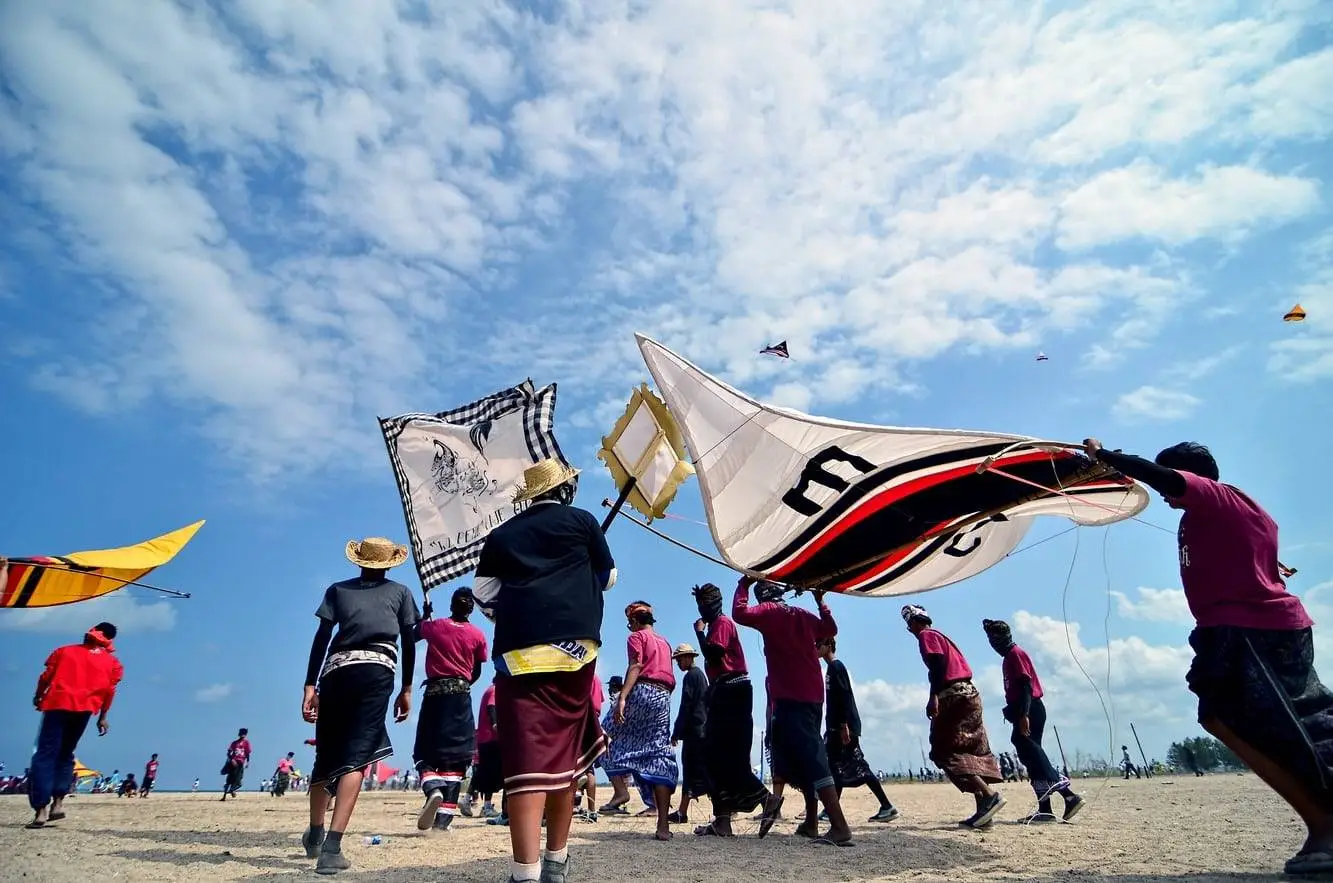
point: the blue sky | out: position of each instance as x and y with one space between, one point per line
235 238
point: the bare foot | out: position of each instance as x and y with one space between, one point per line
662 833
808 829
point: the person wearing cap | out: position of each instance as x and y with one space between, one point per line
446 728
688 732
958 741
78 681
796 685
541 579
842 734
728 718
349 685
642 746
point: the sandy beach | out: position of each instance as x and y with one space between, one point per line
1222 827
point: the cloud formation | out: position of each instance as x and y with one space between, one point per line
288 219
213 693
128 613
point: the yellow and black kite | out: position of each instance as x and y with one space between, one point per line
48 582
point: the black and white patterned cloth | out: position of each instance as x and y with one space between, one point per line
537 408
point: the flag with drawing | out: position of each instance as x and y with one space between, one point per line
458 471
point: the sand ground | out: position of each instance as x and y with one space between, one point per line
1226 828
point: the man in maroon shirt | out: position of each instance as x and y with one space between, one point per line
78 681
796 684
1253 668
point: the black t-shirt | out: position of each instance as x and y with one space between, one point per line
841 706
366 613
551 561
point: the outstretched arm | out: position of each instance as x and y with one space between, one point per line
740 603
1167 482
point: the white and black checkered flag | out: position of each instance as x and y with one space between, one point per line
458 470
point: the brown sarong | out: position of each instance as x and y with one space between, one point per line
549 733
958 741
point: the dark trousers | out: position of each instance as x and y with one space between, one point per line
1029 750
51 773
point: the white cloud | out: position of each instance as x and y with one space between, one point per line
1153 403
1305 352
289 218
213 693
1141 201
1318 602
131 616
1155 605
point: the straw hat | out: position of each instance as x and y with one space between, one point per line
542 477
684 650
376 553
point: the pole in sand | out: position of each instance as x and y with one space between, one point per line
1147 770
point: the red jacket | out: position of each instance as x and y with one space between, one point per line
79 678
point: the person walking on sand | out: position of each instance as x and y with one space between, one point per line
796 685
642 746
958 741
487 774
541 580
1023 707
688 732
349 686
78 681
446 728
233 768
842 734
149 776
1253 641
728 718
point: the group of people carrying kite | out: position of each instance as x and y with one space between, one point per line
541 579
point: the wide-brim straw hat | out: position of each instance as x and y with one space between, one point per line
543 477
684 650
376 553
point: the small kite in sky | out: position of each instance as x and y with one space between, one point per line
1295 314
777 349
1042 357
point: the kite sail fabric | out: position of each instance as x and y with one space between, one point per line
870 510
777 349
646 445
83 772
458 471
43 581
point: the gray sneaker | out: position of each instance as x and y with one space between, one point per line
331 863
553 871
312 843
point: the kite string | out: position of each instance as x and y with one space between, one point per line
65 568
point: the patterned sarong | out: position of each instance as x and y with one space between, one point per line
641 746
958 741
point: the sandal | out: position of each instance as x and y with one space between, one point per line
829 841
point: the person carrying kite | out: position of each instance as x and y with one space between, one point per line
541 579
446 728
1253 668
1025 710
347 694
79 680
796 684
728 718
958 741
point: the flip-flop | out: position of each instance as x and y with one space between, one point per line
1315 862
55 817
34 825
770 816
826 841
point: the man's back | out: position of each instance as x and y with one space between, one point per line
81 678
550 562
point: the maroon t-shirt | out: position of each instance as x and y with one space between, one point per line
790 634
1016 666
1228 560
723 634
